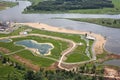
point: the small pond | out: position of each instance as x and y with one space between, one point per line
5 40
43 48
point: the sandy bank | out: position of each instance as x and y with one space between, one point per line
99 43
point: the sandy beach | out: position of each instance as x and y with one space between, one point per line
98 45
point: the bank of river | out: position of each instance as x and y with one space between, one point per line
112 62
111 34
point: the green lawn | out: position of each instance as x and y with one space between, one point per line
40 61
4 4
114 23
90 48
55 53
59 46
77 55
74 37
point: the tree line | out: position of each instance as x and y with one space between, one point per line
57 74
64 5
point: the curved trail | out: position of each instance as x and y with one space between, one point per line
68 50
64 53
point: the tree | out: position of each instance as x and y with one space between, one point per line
29 75
4 60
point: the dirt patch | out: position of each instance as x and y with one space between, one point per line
54 66
4 50
69 66
108 71
27 63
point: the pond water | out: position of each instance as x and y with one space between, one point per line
43 48
5 40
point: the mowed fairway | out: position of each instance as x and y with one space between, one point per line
78 55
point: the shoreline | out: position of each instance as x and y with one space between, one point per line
36 51
99 42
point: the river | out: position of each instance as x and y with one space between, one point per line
112 34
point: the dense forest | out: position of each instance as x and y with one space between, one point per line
64 5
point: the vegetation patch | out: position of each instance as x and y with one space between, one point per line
74 6
68 5
113 23
4 4
55 53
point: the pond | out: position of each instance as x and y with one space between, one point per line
5 40
42 48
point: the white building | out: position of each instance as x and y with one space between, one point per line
90 37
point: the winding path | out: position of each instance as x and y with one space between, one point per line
72 46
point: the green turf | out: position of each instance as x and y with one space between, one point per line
59 46
55 53
74 37
42 62
77 55
90 48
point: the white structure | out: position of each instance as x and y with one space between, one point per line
23 33
90 37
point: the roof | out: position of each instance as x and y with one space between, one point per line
90 37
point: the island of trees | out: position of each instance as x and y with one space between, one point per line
66 5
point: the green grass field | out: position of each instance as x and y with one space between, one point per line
4 5
55 53
113 23
77 55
